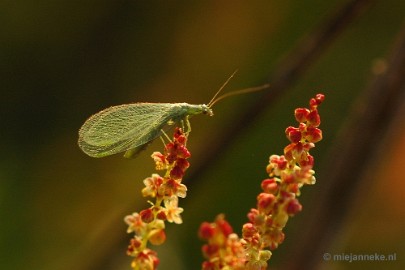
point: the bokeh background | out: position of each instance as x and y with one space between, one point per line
62 61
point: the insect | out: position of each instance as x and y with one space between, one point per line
131 127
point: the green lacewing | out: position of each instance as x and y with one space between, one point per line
131 127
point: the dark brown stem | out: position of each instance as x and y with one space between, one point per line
290 70
351 159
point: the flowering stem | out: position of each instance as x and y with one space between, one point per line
278 201
148 225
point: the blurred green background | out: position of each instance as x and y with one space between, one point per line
62 61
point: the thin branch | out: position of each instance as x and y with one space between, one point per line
290 70
351 158
307 51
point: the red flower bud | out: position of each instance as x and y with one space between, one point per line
147 215
314 102
248 230
182 163
293 134
313 118
183 152
253 215
210 250
301 114
308 162
157 237
224 226
313 134
319 98
265 202
177 173
292 207
269 185
161 215
206 231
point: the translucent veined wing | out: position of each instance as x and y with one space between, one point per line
125 127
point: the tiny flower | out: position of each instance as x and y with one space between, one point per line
160 160
313 134
292 207
294 151
308 162
268 222
173 187
146 260
224 249
210 250
181 191
270 185
276 165
273 238
255 217
179 136
293 134
265 202
313 118
288 152
181 139
183 152
288 178
134 222
224 226
301 114
173 211
134 245
177 172
248 230
182 163
314 102
176 150
152 185
161 214
304 175
293 188
157 236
